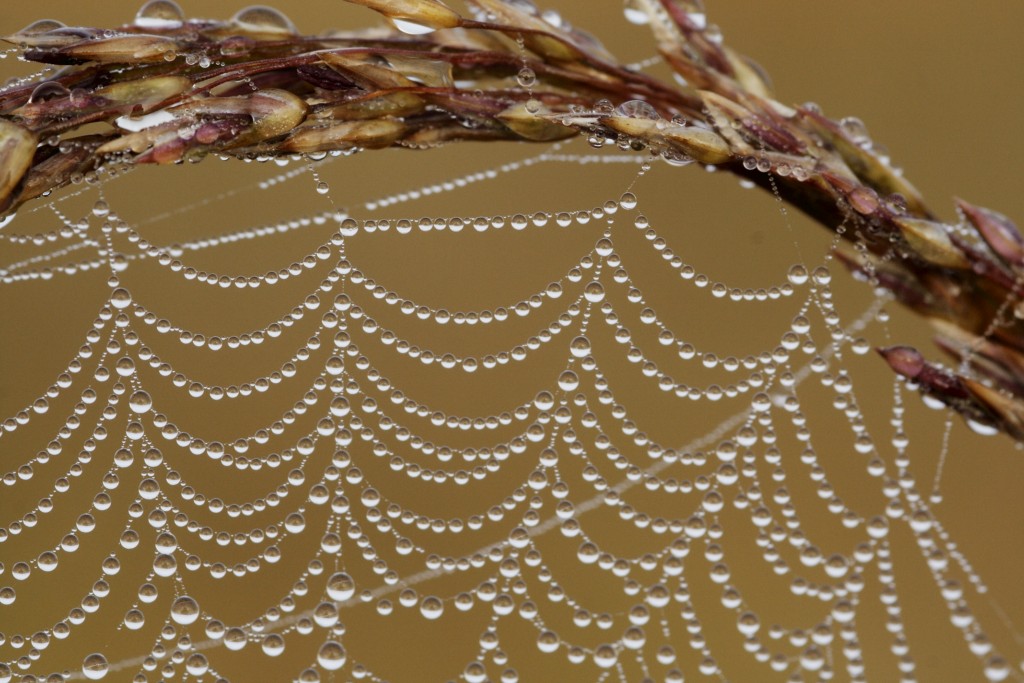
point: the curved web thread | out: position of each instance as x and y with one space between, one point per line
561 456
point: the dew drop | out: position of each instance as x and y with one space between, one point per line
854 129
159 14
273 645
836 566
676 158
47 561
983 428
822 276
797 274
263 19
748 624
997 669
605 656
411 28
594 292
526 77
140 402
331 656
148 593
325 614
340 587
50 90
94 667
580 347
134 619
635 15
234 638
638 109
184 610
120 298
568 381
432 607
544 400
41 26
197 664
548 642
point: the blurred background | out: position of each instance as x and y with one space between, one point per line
938 83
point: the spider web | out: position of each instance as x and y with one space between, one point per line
550 442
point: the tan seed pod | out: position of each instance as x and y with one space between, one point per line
704 146
370 134
17 147
429 13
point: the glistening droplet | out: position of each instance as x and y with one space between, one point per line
94 667
184 610
263 19
159 14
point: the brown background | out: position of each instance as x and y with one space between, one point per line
939 83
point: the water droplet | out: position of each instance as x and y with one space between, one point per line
580 347
605 656
47 561
295 523
134 619
331 655
120 298
340 587
475 672
411 28
748 624
674 157
260 18
568 381
983 428
159 14
635 15
273 645
638 109
50 90
432 607
322 187
94 667
594 292
140 402
854 129
797 274
836 566
234 638
544 400
184 610
548 641
997 669
41 26
526 77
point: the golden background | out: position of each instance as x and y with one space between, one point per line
939 83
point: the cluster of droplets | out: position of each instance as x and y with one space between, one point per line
571 447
